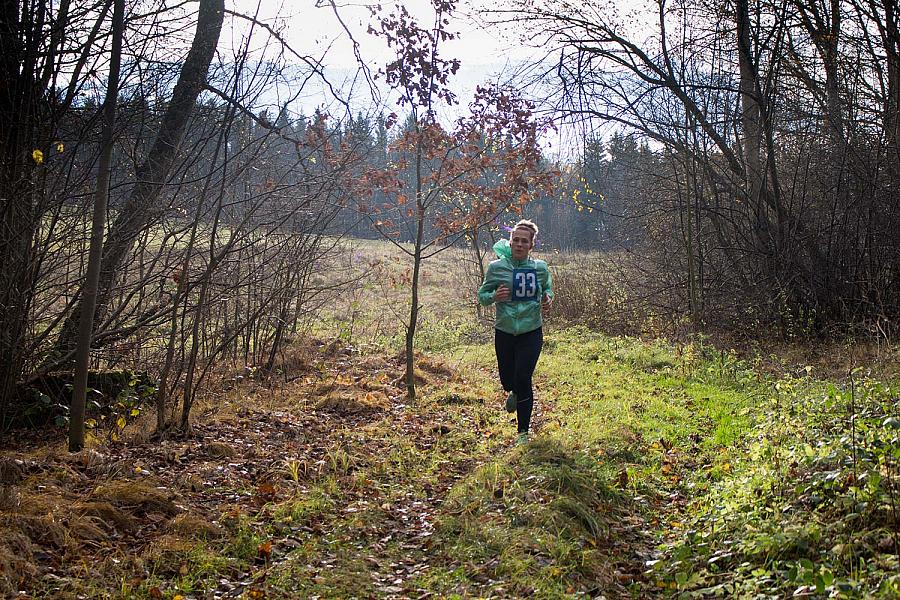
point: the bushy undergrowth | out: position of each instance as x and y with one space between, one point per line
630 293
592 290
810 505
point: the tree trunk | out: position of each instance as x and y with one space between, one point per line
20 131
478 259
751 118
892 102
141 208
417 263
199 318
822 21
92 278
832 80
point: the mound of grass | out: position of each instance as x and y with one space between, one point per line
106 514
537 521
136 497
192 526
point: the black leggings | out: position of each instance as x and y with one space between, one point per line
517 356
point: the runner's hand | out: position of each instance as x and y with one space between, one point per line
546 301
502 294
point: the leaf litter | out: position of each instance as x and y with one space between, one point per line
324 484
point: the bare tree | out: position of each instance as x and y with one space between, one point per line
92 277
151 176
764 114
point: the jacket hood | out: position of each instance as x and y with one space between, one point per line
503 249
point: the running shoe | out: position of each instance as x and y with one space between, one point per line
522 439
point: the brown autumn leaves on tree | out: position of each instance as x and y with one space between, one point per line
460 179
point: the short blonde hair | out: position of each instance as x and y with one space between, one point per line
529 225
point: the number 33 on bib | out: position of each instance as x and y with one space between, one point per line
525 285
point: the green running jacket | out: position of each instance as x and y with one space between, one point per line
529 280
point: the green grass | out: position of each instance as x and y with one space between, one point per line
654 471
566 514
808 506
741 486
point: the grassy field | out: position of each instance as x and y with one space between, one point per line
655 470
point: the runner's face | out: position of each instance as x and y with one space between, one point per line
520 242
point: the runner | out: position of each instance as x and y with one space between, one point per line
520 285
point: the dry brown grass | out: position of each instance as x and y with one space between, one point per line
66 507
377 302
350 404
218 450
829 359
16 560
136 497
110 516
192 526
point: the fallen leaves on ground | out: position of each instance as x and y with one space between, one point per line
128 506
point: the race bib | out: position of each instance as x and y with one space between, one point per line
525 285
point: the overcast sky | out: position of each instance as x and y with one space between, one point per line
315 31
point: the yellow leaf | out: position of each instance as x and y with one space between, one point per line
177 597
38 156
135 412
121 422
60 147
